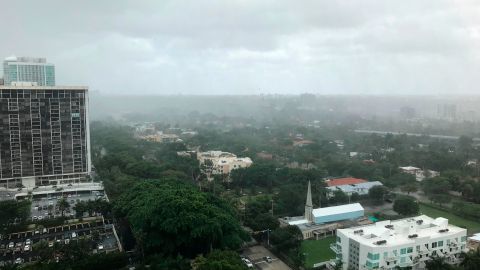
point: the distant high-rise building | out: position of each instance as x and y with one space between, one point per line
44 135
447 111
28 69
407 112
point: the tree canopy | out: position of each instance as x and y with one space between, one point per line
405 205
170 217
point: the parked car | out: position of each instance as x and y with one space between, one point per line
100 247
50 244
247 262
26 248
28 242
268 259
11 245
19 261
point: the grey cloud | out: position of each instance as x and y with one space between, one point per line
249 46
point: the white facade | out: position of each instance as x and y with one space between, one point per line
404 243
360 189
419 174
221 163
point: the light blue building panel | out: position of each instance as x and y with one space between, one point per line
339 217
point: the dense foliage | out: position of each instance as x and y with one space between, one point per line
219 260
405 205
170 217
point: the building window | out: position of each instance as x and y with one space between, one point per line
403 251
373 257
464 238
409 249
434 244
440 243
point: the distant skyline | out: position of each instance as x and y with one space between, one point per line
409 47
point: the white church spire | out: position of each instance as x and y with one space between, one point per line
308 205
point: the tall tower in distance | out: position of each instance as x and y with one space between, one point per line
308 205
17 70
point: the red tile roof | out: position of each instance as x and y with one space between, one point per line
344 181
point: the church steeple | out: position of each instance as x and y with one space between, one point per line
308 205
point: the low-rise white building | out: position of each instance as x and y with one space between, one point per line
360 188
419 174
401 243
221 163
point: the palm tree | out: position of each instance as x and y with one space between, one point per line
63 205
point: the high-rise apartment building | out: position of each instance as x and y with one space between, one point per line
44 135
400 243
28 69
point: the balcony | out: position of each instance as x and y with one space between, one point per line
336 248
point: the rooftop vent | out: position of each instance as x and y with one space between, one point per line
381 242
389 226
443 230
357 231
413 236
420 222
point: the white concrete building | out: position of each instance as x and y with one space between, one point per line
221 163
419 174
404 243
360 188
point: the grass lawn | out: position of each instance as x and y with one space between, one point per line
472 226
317 251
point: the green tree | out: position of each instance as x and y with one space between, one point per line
377 194
405 205
263 221
288 240
219 260
63 205
171 217
11 210
409 188
438 263
471 260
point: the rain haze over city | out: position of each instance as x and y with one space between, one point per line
241 134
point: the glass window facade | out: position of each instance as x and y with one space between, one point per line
41 73
43 132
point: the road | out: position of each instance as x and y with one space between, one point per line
256 255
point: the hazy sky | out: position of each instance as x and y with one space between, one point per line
252 46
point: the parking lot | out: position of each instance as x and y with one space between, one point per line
257 254
7 195
20 246
46 206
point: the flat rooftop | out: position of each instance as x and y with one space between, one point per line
344 181
39 87
402 231
336 210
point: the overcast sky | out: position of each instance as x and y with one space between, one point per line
252 46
